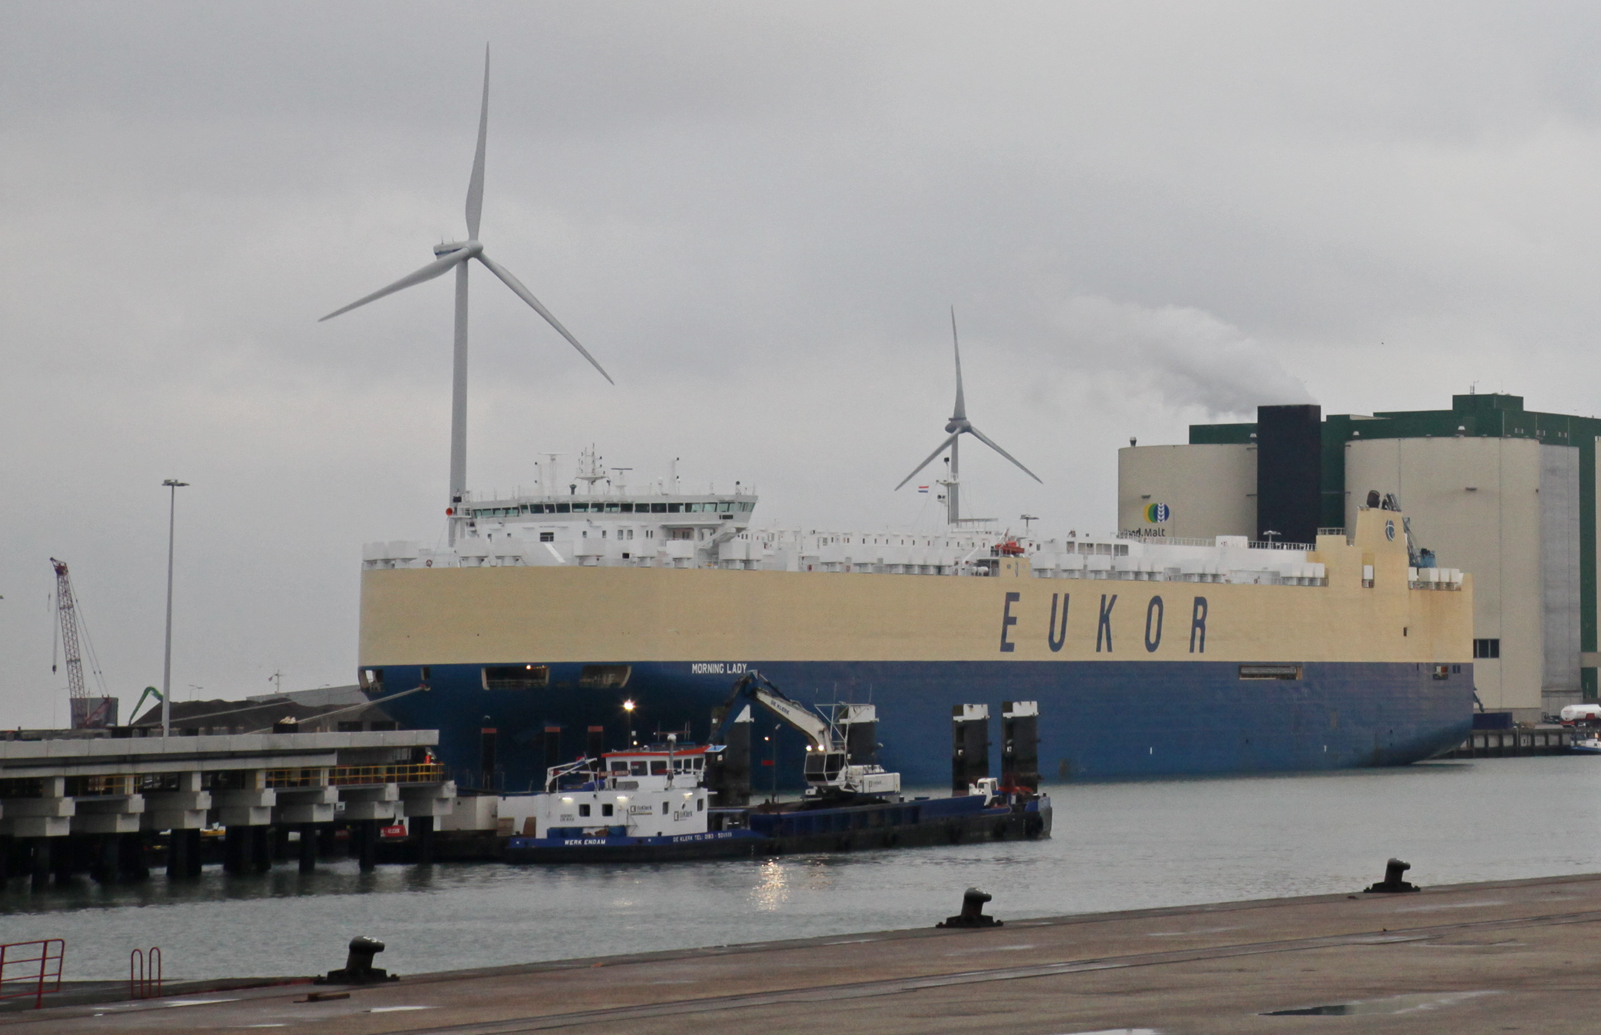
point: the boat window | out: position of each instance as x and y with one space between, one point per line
583 810
658 508
606 809
580 508
619 766
637 769
700 804
547 537
515 677
664 808
604 677
562 508
700 762
372 679
658 767
675 508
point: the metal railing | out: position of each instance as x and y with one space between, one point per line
346 775
144 983
31 968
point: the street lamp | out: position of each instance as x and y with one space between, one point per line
628 707
172 485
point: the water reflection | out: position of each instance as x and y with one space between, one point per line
772 885
1117 846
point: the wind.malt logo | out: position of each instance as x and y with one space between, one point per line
1157 513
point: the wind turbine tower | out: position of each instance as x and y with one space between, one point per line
958 426
456 255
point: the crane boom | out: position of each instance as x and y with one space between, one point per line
768 695
88 712
67 611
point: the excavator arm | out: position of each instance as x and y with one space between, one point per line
763 691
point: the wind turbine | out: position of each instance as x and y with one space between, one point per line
958 426
456 255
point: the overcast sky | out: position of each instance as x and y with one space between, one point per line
756 217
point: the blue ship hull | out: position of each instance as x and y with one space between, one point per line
1098 720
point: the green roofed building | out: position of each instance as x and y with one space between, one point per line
1502 492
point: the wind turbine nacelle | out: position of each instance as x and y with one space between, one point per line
956 425
451 247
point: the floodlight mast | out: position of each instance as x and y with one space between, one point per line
172 485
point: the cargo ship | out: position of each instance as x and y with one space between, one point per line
553 613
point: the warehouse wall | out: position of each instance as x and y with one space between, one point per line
1209 490
1559 574
1476 502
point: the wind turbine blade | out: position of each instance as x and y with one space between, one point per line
528 296
930 460
475 185
428 272
984 439
960 413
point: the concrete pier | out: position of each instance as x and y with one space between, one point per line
75 804
1492 957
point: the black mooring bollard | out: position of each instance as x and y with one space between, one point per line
1392 882
358 968
972 914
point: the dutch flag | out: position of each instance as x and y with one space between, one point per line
922 489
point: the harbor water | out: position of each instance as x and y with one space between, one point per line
1116 846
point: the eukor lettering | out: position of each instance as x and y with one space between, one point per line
1056 634
1007 621
1198 627
1103 629
1153 625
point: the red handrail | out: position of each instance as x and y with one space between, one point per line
144 983
27 967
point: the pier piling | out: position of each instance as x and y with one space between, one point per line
308 848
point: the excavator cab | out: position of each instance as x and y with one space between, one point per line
822 768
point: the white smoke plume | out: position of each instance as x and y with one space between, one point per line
1186 356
